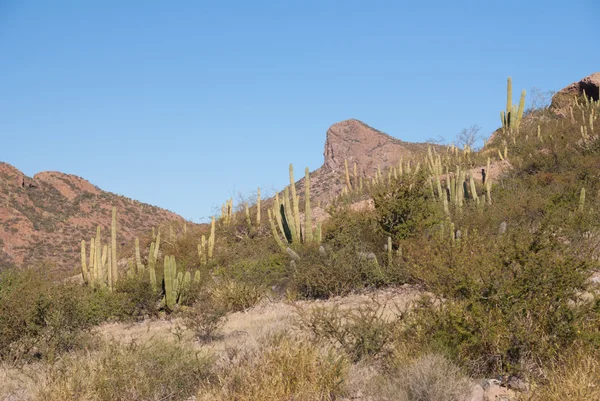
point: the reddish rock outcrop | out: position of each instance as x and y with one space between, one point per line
44 218
355 141
590 85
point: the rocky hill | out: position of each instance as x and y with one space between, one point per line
44 218
356 142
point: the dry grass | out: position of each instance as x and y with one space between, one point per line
282 368
430 377
576 378
156 370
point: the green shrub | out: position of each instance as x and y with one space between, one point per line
405 208
509 301
39 318
335 273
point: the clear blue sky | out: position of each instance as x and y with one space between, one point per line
183 104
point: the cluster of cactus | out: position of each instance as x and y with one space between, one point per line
175 283
589 110
354 183
102 269
456 189
511 117
285 215
227 215
247 212
152 258
206 248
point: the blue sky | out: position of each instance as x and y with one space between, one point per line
183 104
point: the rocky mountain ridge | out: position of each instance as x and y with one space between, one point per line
44 218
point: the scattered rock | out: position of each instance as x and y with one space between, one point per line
477 394
516 384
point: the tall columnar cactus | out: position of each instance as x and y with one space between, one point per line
511 117
211 239
138 257
348 183
113 243
258 208
98 260
152 266
248 220
286 215
202 250
109 278
92 265
295 202
170 282
308 231
84 270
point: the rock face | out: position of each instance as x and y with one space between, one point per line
44 218
590 85
355 141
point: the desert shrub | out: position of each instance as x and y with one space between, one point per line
39 318
366 330
236 296
430 377
508 301
339 272
348 228
205 319
282 368
405 207
138 297
156 370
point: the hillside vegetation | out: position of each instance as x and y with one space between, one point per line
503 265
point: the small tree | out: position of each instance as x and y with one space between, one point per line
405 207
468 136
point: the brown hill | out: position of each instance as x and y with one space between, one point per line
355 141
44 218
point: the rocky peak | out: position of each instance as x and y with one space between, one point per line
355 141
590 85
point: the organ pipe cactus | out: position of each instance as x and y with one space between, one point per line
138 257
113 248
170 282
308 233
286 215
152 266
511 117
84 269
258 208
